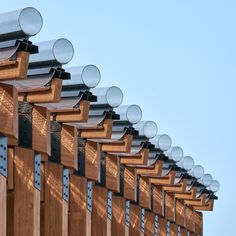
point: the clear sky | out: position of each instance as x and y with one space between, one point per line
174 58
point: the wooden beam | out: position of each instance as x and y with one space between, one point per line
198 221
53 94
118 223
69 146
191 195
173 229
79 215
8 110
130 183
55 208
179 212
135 220
92 160
158 200
137 159
177 188
144 192
100 223
41 139
200 201
161 226
26 196
102 131
189 219
79 114
170 207
166 180
207 207
151 171
113 173
16 70
149 223
119 146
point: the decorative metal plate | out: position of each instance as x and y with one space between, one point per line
3 156
89 195
37 171
142 220
109 205
127 212
156 225
66 185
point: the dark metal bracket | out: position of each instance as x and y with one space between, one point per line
3 156
37 171
81 156
109 205
25 124
55 142
66 185
89 195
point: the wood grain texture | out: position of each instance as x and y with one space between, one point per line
41 141
113 173
56 210
169 206
179 212
8 111
26 197
10 168
149 223
198 222
17 70
158 206
135 220
189 218
173 229
161 226
79 217
130 183
92 160
69 147
99 212
144 192
118 218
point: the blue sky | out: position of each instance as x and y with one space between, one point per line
174 58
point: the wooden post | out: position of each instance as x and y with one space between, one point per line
8 110
55 207
189 218
179 212
149 223
198 221
119 224
170 207
161 226
3 203
130 183
173 229
135 220
80 213
144 192
158 200
101 220
26 193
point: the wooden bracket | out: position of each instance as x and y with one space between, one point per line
17 69
165 180
151 171
121 146
178 188
98 132
137 159
191 195
200 201
8 110
207 207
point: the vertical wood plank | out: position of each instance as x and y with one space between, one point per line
169 207
144 192
99 212
135 220
79 216
56 210
130 183
179 212
158 200
149 223
161 226
26 197
118 218
173 229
